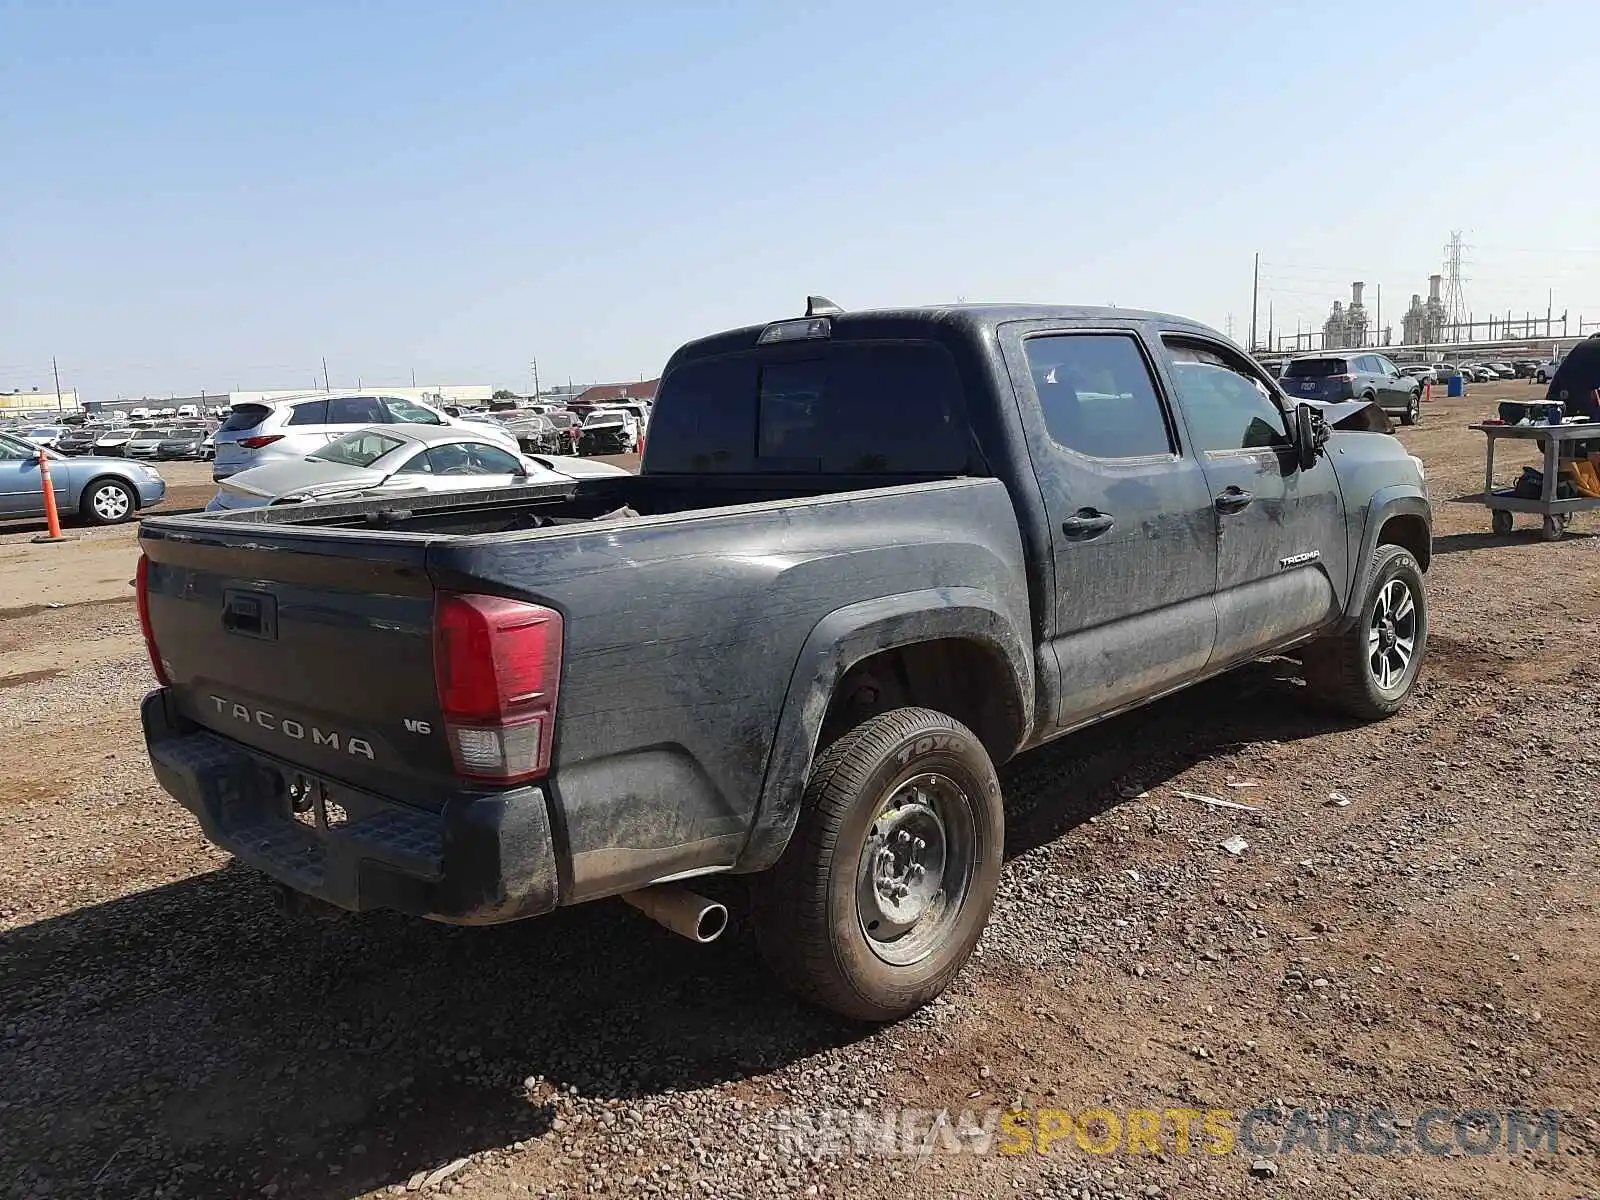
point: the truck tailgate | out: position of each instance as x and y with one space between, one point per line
307 648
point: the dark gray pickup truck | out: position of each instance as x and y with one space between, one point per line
869 556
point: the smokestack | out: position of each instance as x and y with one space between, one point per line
1433 286
1355 293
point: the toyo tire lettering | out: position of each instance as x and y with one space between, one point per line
928 744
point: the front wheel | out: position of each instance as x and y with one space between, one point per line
1369 670
889 878
108 502
1413 412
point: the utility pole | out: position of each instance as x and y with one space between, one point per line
413 377
533 365
1377 314
1270 346
1228 326
56 371
325 386
1255 291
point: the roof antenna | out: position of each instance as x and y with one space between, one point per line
821 306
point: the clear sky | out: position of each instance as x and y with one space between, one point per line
197 197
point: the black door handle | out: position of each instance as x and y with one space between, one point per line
1086 523
1234 499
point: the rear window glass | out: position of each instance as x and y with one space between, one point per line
245 416
359 449
837 408
1316 368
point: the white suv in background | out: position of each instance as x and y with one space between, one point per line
293 427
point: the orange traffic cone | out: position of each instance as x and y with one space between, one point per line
52 518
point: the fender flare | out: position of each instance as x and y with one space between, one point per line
838 642
1397 500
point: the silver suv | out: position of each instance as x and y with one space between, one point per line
271 431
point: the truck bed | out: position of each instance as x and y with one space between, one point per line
685 633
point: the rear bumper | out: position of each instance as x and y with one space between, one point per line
484 858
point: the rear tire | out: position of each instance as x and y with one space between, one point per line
1413 412
889 878
1501 522
1369 670
108 502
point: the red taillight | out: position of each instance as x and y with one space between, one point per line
497 664
142 586
255 443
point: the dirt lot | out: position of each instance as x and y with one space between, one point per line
1434 943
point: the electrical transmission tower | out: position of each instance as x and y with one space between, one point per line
1455 300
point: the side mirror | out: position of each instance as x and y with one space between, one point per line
1309 434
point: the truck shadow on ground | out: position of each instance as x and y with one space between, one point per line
189 1039
1522 535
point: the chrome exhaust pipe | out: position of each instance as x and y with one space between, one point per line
682 911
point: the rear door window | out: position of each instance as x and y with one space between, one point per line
314 412
356 410
489 460
1097 395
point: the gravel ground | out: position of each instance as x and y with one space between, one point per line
1428 937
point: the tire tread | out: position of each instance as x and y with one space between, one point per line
790 900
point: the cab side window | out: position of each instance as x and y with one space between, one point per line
1097 396
1228 407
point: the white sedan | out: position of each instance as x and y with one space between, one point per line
395 460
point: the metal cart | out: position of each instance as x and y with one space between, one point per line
1555 512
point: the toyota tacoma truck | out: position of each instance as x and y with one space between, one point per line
868 557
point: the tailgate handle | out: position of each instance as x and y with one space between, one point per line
250 614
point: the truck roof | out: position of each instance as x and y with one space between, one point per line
965 319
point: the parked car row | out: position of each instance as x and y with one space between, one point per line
1438 373
160 442
605 427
